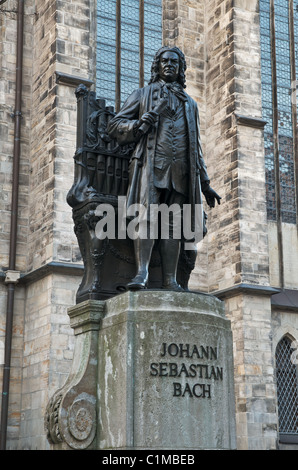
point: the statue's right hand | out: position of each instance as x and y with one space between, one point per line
149 118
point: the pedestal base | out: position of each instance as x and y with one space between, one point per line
151 370
165 373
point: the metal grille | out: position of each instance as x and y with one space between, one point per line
287 388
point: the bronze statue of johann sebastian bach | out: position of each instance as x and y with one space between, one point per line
167 165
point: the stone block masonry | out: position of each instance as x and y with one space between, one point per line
64 30
47 353
56 38
238 241
256 417
7 104
234 88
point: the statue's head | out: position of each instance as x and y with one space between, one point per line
164 52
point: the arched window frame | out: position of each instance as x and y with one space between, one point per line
279 34
288 423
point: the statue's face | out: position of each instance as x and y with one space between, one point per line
169 66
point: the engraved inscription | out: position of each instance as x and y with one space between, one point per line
189 369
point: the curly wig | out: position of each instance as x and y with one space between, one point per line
155 64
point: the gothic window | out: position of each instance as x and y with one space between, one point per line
287 390
129 32
279 31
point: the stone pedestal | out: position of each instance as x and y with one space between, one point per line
164 375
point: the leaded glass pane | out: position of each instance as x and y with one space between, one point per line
287 388
284 107
266 74
106 45
106 50
129 47
152 33
295 84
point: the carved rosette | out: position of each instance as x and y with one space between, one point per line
71 415
71 421
81 420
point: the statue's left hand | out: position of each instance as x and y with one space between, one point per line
211 196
